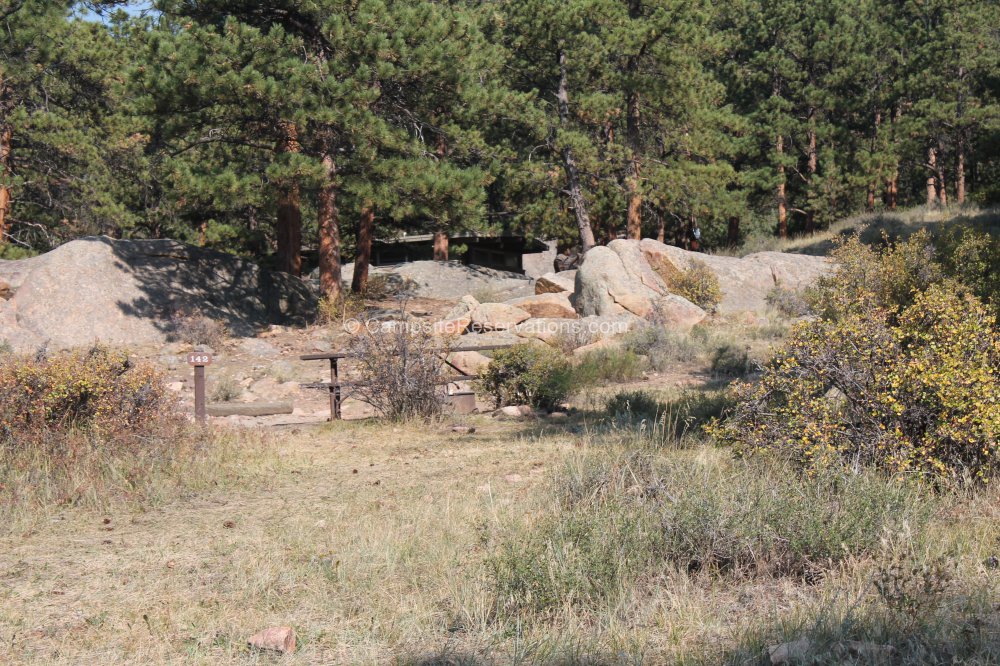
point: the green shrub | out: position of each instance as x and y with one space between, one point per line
973 258
635 404
868 277
698 284
87 426
909 391
526 375
732 360
602 366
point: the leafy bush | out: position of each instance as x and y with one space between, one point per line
908 390
86 424
973 258
635 404
526 375
399 368
697 283
868 278
602 366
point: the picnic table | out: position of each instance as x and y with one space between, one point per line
335 385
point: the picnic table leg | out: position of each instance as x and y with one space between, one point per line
334 391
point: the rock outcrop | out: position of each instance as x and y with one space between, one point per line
745 281
554 283
126 292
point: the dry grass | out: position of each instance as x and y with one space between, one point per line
871 226
372 541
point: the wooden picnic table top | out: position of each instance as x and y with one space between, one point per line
338 355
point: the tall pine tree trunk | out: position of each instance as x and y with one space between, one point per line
569 163
633 222
440 246
960 174
328 219
779 148
931 181
873 183
733 232
942 189
812 162
661 228
5 141
366 230
289 227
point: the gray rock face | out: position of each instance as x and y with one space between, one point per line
546 305
125 292
605 287
746 281
450 280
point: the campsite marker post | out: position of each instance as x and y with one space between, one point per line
199 361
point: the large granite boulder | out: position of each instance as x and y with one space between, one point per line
126 292
745 282
605 287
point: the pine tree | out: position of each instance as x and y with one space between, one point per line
60 136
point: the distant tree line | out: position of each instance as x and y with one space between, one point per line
273 129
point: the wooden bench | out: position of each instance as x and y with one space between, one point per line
335 386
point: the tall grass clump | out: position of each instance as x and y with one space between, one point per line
612 365
621 518
89 427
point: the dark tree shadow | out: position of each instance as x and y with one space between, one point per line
176 278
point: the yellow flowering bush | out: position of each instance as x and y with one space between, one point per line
99 390
905 381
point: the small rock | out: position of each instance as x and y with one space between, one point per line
256 347
515 411
204 349
174 348
450 327
463 430
175 386
321 346
275 639
789 653
469 362
555 283
497 317
513 478
5 290
558 416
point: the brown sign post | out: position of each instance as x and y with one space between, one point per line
199 360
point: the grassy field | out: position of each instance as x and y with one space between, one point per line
526 542
871 226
